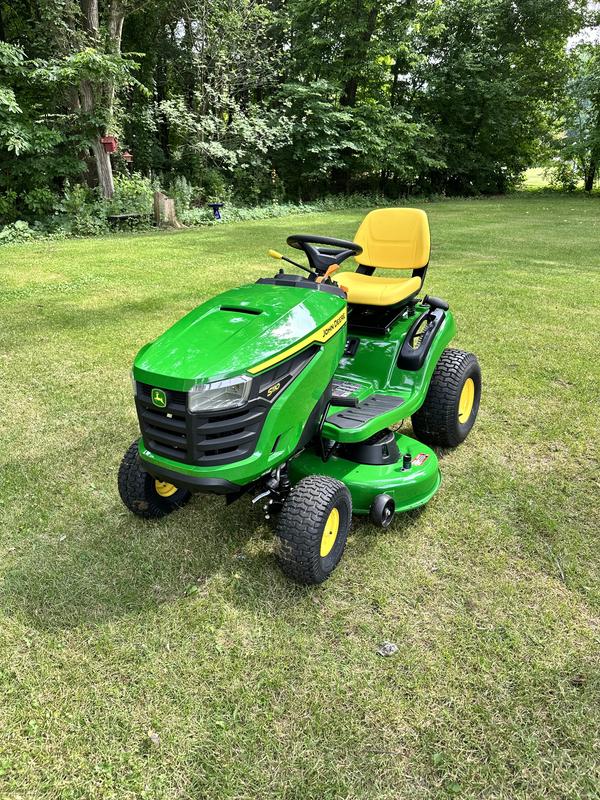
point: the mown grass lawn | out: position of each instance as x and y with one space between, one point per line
173 660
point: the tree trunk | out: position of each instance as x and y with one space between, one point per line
164 211
358 56
101 157
115 34
354 58
89 9
104 169
92 96
590 177
395 70
115 25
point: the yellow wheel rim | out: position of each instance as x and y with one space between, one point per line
467 398
330 532
164 489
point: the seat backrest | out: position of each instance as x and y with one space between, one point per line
394 238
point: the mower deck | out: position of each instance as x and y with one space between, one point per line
411 481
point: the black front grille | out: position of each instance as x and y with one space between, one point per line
212 438
164 430
208 439
222 437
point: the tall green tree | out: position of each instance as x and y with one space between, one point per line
75 66
263 99
577 146
488 72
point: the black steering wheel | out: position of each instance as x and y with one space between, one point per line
330 252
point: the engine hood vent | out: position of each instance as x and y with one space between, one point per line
253 311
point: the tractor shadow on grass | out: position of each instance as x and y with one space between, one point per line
280 596
82 559
88 576
106 564
264 589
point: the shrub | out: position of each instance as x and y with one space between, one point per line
16 232
40 201
84 210
134 194
8 209
563 175
233 213
196 216
251 187
182 192
213 187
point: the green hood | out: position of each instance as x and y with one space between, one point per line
232 333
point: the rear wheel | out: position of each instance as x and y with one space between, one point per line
313 528
144 495
450 408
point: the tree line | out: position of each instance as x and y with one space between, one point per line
262 100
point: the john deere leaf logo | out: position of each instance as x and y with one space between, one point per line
159 398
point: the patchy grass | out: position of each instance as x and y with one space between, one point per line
172 660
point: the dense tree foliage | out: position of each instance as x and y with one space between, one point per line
285 99
576 149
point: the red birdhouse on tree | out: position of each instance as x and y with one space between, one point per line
110 143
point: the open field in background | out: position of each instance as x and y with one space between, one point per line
536 178
172 660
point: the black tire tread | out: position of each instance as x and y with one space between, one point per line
300 526
436 421
137 492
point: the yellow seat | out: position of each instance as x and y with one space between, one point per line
391 238
370 290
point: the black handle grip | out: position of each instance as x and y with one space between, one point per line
436 302
413 358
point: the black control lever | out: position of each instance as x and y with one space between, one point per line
275 254
350 402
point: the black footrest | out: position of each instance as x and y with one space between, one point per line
372 407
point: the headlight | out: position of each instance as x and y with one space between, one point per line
219 395
133 383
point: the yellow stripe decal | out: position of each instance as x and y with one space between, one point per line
321 335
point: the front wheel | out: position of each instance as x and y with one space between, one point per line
450 408
313 528
144 495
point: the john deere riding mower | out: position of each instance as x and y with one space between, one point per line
291 388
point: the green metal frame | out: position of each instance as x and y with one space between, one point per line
243 329
257 325
284 423
374 368
232 333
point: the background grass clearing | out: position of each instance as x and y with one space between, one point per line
112 629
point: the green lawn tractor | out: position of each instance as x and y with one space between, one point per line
290 389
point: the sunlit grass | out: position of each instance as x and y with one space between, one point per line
536 178
172 660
